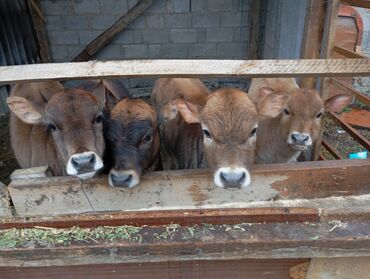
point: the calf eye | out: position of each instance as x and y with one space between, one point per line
319 115
286 112
98 119
52 127
253 132
147 138
206 133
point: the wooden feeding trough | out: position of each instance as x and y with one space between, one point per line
178 220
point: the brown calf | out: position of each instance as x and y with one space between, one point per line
283 138
132 141
224 129
56 127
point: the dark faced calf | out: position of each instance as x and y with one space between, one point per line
133 141
61 129
225 124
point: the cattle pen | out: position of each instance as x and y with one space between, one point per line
295 219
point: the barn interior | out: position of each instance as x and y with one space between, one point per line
286 203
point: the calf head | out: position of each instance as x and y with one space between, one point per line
73 120
229 122
300 119
133 138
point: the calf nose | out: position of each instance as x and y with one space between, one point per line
227 177
123 179
84 164
299 138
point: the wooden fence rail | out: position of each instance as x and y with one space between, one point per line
185 68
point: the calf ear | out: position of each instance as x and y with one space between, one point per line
338 102
188 111
169 111
109 94
264 91
24 110
272 104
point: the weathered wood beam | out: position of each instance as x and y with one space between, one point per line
357 3
104 38
254 20
348 53
331 150
312 36
205 242
185 68
188 196
40 29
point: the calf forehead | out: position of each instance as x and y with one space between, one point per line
305 102
127 111
229 113
73 105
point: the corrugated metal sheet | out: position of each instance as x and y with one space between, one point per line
18 41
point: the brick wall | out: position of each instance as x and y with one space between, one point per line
168 29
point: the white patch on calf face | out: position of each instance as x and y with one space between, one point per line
233 172
71 169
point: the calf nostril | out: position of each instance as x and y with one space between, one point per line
92 159
242 177
223 177
74 162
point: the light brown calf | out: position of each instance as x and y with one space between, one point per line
224 126
132 142
58 128
296 127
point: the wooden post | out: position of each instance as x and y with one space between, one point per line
312 36
39 25
104 38
326 52
254 18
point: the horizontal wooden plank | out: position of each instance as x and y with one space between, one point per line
216 269
204 242
185 68
280 192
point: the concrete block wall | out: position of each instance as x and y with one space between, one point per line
169 29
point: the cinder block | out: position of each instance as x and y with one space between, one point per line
198 5
75 22
178 6
232 19
219 34
52 7
124 37
175 51
138 22
183 35
178 20
155 36
135 51
201 34
86 36
110 52
205 20
241 34
54 22
64 37
113 6
154 51
232 50
220 5
59 51
158 7
74 50
102 22
86 6
155 21
203 50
